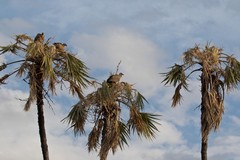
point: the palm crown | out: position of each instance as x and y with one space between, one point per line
111 128
57 66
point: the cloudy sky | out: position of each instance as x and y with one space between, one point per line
147 37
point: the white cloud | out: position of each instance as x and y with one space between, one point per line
140 58
225 145
236 120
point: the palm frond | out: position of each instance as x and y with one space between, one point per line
124 134
77 118
192 56
175 76
176 99
232 73
35 50
143 123
23 37
140 99
13 48
75 70
94 135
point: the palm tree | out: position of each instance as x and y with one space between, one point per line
41 62
217 72
111 128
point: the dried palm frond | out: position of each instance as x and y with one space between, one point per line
23 37
77 118
176 99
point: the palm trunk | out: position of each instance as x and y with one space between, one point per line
41 122
204 148
204 125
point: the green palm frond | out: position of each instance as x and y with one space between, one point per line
77 118
232 73
143 123
175 76
140 99
75 70
150 121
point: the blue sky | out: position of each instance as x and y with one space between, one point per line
148 37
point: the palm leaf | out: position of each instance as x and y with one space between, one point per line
77 118
175 76
176 99
143 123
140 99
124 134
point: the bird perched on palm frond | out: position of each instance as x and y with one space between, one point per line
115 78
60 46
39 38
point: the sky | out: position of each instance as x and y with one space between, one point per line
147 37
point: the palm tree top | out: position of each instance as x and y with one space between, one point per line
57 65
103 107
208 60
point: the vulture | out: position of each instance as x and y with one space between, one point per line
115 78
39 38
60 46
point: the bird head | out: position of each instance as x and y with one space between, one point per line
120 74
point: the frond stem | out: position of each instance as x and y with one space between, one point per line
199 69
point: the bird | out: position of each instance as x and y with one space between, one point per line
115 78
39 38
60 46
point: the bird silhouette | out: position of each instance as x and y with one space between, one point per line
115 78
60 46
39 38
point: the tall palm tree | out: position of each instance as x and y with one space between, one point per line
218 71
111 128
41 62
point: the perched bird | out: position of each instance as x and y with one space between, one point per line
60 46
39 38
115 78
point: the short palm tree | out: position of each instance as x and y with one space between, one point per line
43 63
111 128
218 71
